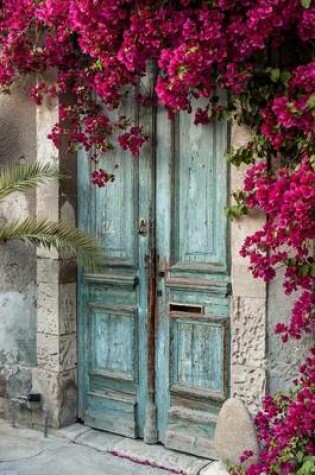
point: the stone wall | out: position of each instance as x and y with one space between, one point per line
260 361
37 289
283 358
17 261
248 312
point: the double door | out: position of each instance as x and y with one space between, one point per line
154 320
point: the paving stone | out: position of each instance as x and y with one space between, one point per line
235 432
215 468
21 444
160 457
98 440
134 450
73 432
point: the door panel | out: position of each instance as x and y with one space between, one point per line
198 226
112 342
109 298
193 282
116 212
197 357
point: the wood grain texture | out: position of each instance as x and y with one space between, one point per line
140 358
192 242
108 299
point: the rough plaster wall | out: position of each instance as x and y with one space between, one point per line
283 358
17 261
248 313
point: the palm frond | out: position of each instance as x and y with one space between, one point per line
69 241
25 177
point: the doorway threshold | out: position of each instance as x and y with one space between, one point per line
134 450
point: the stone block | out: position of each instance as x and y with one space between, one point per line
67 213
248 331
215 468
59 391
248 350
48 351
47 271
56 353
51 271
243 283
240 229
48 308
47 200
2 406
240 135
68 272
67 308
67 352
56 304
3 385
235 433
249 384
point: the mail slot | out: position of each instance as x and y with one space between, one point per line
182 307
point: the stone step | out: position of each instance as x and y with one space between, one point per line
134 450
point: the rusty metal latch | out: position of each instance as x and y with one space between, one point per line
143 228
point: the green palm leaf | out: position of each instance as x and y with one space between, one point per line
69 241
25 177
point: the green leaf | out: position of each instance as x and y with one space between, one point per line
311 102
240 155
304 270
306 3
275 74
98 65
291 262
236 211
67 240
285 77
300 456
292 108
26 177
308 467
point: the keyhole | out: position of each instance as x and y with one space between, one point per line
142 229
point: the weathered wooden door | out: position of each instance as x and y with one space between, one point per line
153 322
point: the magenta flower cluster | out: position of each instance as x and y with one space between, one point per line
286 428
99 51
287 197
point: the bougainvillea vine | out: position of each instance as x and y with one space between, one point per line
261 52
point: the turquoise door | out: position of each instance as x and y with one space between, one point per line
153 322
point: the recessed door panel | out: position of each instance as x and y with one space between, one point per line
197 349
112 342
